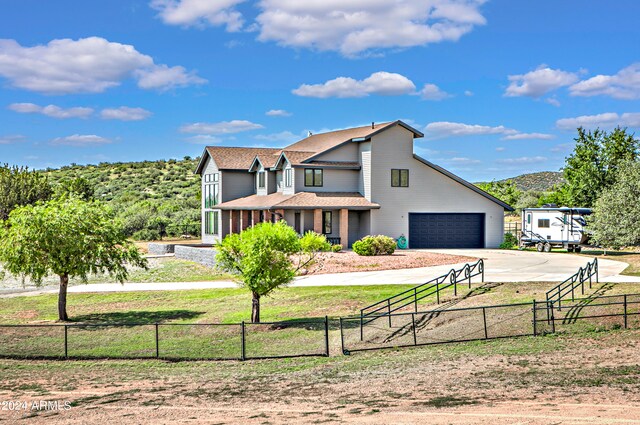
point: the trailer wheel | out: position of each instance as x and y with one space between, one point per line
570 248
540 246
547 247
578 249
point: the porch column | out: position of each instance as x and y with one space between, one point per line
256 217
302 221
244 219
231 227
317 220
344 228
267 216
280 214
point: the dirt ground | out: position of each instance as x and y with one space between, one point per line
349 261
593 378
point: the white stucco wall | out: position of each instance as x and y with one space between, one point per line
428 191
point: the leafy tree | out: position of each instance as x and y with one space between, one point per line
528 199
506 190
69 238
594 163
261 257
558 195
78 187
616 212
19 186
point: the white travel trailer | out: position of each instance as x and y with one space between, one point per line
549 227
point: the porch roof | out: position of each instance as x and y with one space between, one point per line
301 200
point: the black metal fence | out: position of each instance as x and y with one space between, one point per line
576 282
170 341
410 297
489 322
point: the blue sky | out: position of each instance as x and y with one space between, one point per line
498 87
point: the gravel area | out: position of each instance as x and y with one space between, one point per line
349 261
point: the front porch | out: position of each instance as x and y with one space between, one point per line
340 226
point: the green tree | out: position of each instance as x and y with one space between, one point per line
615 219
78 187
69 238
261 257
594 163
19 186
505 190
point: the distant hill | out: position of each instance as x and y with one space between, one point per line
542 181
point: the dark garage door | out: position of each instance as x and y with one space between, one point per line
446 230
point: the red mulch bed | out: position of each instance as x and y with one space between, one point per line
349 261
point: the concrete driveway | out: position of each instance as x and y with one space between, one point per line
500 266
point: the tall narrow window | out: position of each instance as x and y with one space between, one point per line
326 222
211 190
211 220
399 178
261 179
288 178
313 177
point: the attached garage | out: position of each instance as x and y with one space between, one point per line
446 230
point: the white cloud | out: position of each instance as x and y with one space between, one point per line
162 77
200 12
51 110
442 129
463 161
468 93
380 83
11 138
278 113
80 140
522 160
432 92
500 149
125 113
283 136
623 85
529 136
87 65
562 147
356 26
537 83
553 101
220 128
605 120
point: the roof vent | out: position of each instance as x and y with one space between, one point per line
373 125
309 134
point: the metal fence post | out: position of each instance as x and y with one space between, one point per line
326 336
625 311
482 263
535 320
157 341
342 339
484 319
66 343
243 353
361 326
455 285
413 320
553 320
389 309
437 292
415 299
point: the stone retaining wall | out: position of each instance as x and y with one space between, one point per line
160 248
201 254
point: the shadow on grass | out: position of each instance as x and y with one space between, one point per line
136 317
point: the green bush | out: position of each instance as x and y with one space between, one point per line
336 248
146 235
375 245
510 241
314 242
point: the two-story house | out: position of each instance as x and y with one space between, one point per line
347 184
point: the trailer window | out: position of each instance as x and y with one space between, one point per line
528 218
543 222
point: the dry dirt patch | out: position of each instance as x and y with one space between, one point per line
349 261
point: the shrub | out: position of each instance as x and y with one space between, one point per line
314 242
509 242
336 248
375 245
146 235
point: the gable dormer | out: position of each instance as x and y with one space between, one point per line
261 178
285 176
